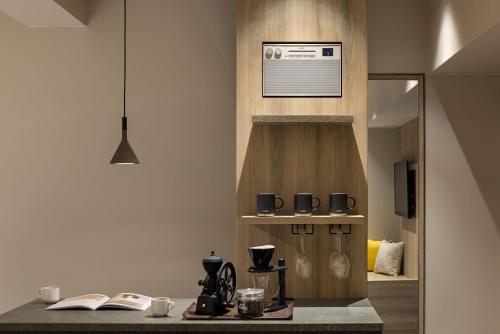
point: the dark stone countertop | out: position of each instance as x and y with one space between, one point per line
327 316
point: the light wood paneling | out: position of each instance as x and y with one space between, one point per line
291 158
408 136
310 119
409 141
305 158
293 21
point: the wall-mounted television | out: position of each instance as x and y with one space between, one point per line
404 190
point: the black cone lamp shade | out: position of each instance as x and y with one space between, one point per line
124 154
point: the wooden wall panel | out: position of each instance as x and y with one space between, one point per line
410 145
292 21
408 136
286 159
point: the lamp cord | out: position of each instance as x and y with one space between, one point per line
124 57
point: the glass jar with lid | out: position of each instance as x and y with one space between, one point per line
250 302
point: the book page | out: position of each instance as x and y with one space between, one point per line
130 301
91 302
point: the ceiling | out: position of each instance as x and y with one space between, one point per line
392 103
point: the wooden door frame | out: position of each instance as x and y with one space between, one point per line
421 210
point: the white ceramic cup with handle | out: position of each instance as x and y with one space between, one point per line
160 306
50 294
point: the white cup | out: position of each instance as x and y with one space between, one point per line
160 306
50 294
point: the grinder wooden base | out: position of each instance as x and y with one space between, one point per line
232 314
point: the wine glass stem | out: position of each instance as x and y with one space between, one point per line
339 242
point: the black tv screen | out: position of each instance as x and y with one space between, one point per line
404 190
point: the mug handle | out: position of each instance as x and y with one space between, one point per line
353 203
282 202
171 304
319 203
42 293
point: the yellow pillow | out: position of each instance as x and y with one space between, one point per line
373 247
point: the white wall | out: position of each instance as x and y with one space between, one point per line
68 217
397 36
463 194
383 151
462 236
455 23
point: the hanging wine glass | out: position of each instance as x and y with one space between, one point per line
303 263
339 262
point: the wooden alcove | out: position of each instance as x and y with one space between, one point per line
289 145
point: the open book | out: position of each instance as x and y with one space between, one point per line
128 301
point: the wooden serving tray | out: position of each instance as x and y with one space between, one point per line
232 314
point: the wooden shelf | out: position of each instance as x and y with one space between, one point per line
315 219
303 119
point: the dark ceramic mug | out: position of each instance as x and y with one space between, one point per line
266 204
339 204
303 204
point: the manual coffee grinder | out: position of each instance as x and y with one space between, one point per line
261 257
218 286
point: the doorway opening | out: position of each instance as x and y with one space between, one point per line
396 200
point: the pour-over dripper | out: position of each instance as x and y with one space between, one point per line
261 255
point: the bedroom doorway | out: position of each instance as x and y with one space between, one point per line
396 201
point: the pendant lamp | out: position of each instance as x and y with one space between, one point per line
124 154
